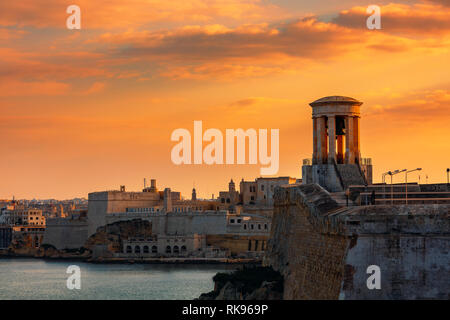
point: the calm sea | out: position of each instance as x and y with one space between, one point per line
39 279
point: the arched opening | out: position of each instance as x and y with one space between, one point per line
168 249
154 249
137 249
129 250
145 249
183 249
176 249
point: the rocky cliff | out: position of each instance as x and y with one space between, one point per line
249 283
111 236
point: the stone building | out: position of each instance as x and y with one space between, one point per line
6 233
260 192
23 216
230 198
164 246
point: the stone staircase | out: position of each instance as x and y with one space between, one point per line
341 199
350 175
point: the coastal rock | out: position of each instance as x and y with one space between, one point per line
249 283
268 291
230 292
109 238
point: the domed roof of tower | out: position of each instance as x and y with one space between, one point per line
335 100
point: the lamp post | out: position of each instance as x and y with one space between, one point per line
406 181
383 179
392 189
448 171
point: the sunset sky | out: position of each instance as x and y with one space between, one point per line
91 109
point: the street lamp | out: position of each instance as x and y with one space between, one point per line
383 179
406 181
448 171
392 189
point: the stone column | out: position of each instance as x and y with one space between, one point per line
357 152
349 141
167 200
340 149
332 138
322 150
316 141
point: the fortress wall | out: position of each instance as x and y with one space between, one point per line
102 203
236 244
65 234
323 250
178 223
311 262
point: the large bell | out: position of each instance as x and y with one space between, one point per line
340 126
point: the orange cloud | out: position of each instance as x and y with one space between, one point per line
107 14
415 107
41 88
95 88
10 34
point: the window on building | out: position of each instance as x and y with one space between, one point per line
249 245
262 187
168 249
231 220
259 227
245 226
265 226
183 249
146 249
154 249
137 249
176 249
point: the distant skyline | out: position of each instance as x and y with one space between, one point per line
90 110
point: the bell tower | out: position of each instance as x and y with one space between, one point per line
336 159
336 123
